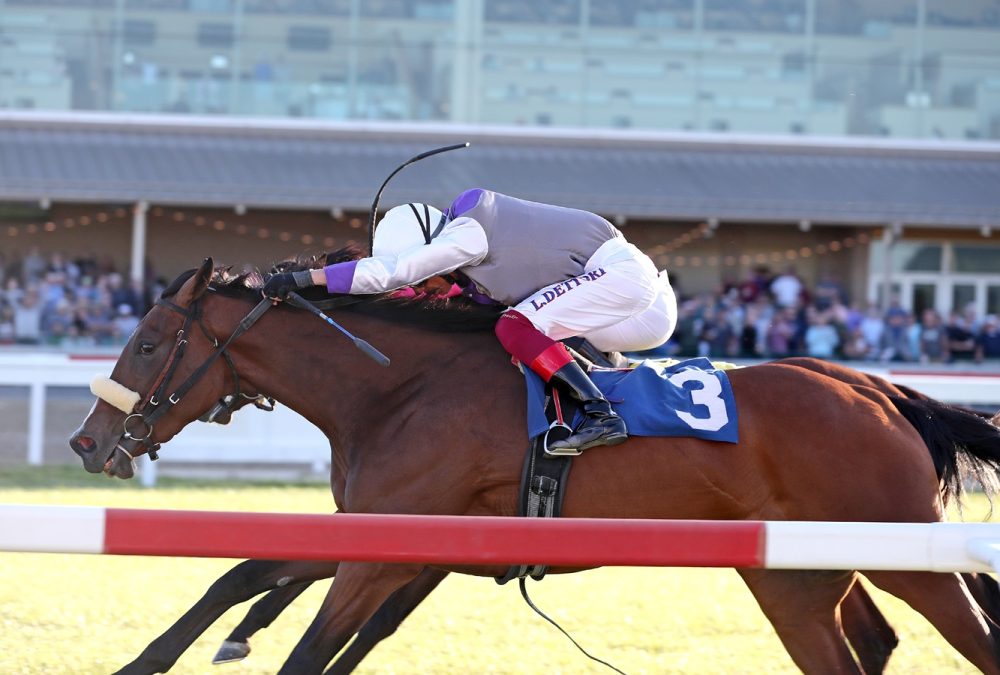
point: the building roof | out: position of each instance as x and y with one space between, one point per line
201 161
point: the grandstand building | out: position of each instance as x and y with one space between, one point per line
858 139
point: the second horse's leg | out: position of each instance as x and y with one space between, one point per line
239 584
867 629
236 647
802 607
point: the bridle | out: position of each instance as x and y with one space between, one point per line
158 402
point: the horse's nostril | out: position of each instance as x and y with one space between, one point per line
84 443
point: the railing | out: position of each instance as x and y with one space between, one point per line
492 540
253 436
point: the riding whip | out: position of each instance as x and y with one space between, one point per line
297 300
378 195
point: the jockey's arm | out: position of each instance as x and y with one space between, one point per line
460 244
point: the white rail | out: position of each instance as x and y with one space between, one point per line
253 436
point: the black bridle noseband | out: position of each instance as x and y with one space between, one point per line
159 403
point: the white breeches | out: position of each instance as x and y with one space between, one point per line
621 302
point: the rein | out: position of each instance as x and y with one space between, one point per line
158 402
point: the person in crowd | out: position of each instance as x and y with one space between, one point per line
12 291
821 338
828 292
124 323
28 318
718 340
57 322
7 332
961 340
896 344
123 293
787 288
988 339
33 266
754 285
857 348
933 340
781 335
872 327
749 338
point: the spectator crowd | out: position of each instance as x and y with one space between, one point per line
82 302
73 303
775 316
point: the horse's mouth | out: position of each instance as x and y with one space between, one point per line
119 465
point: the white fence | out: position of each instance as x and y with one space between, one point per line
282 436
253 436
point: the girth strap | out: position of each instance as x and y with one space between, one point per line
543 484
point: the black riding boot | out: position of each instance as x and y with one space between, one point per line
600 426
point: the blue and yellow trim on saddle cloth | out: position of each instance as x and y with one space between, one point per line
690 398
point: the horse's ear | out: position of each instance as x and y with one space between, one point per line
195 287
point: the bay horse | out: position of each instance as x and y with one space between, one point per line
870 635
811 448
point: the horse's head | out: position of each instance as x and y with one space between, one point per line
151 394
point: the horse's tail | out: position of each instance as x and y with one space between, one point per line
962 444
917 396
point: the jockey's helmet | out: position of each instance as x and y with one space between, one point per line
406 226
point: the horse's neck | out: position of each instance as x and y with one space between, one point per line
321 376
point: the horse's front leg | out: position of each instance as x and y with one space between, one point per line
239 584
358 590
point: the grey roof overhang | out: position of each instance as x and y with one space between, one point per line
290 164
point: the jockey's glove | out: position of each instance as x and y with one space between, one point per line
279 285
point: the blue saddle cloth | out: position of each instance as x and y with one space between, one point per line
686 398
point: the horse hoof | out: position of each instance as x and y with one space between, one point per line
231 652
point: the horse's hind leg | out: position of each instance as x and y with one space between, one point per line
986 592
236 646
802 607
867 629
239 584
387 619
358 590
944 601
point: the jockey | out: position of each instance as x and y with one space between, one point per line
561 272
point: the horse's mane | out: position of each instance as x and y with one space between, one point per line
458 314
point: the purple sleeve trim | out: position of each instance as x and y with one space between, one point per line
465 202
340 276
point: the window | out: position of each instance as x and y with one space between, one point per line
993 299
308 38
138 32
962 295
924 296
909 256
215 34
977 259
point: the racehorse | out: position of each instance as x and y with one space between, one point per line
866 629
810 448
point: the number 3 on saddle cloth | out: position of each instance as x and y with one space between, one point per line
657 398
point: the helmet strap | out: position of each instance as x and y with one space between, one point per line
440 225
425 222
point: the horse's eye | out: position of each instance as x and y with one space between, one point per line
146 347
